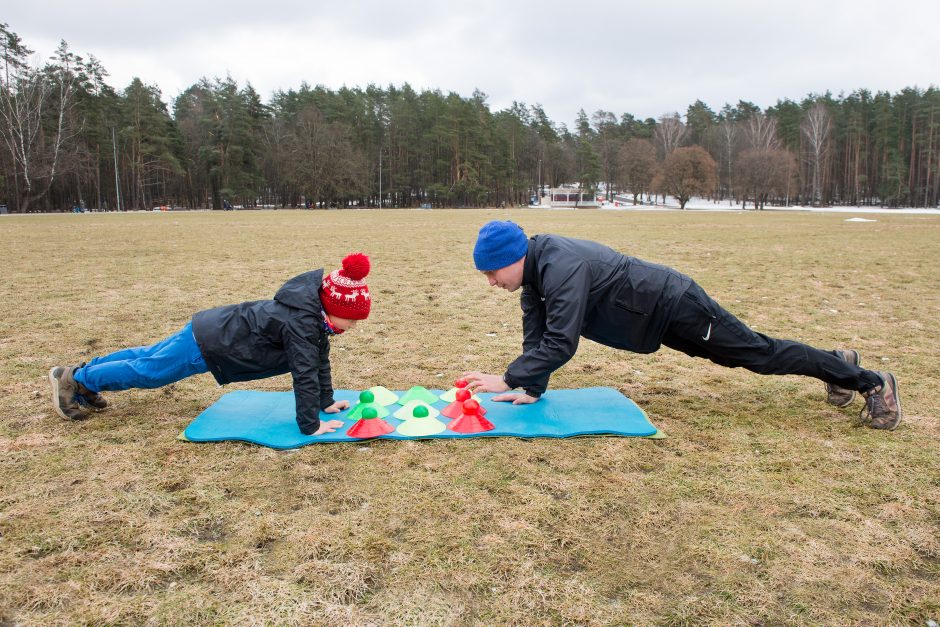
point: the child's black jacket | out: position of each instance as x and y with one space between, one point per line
264 338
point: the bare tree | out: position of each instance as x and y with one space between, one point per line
637 166
324 163
63 78
765 173
35 116
276 158
687 172
728 140
760 132
815 128
670 132
22 96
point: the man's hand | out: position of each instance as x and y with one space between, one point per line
336 407
329 426
517 399
480 382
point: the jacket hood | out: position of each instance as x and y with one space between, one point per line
302 292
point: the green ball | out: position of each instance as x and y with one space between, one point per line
420 411
370 412
366 397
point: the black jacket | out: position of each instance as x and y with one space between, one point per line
264 338
573 288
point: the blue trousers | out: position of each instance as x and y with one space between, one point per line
175 358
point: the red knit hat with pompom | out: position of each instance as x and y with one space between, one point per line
343 292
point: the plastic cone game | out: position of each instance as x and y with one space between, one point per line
383 395
451 395
456 408
367 400
470 421
417 393
408 410
370 425
421 423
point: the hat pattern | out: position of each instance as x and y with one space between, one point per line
344 293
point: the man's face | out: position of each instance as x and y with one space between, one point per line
508 278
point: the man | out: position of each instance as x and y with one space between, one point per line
573 288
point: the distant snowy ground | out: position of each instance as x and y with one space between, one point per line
703 204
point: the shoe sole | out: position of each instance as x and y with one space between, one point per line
55 394
55 397
858 362
897 397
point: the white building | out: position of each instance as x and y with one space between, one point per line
571 197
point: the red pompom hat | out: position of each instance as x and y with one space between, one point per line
343 292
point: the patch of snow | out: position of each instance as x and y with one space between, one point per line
704 204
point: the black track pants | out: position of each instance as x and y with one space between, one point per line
703 328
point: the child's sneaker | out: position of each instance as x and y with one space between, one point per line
64 389
843 397
91 399
87 397
883 404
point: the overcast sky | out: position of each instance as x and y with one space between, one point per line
623 56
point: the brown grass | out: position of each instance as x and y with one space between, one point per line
763 506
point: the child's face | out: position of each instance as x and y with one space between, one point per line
343 324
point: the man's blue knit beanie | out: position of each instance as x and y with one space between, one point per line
499 244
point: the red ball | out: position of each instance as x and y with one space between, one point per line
460 383
471 407
356 266
462 395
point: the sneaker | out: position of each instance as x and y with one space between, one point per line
87 397
883 404
91 399
843 397
64 390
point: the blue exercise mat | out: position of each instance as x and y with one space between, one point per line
268 419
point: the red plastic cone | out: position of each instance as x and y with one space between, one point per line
369 426
470 421
456 408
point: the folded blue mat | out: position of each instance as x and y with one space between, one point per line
268 419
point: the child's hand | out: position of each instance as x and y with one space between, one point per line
336 407
328 427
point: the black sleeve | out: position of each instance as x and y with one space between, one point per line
326 378
533 328
566 283
303 358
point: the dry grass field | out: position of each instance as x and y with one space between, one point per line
763 506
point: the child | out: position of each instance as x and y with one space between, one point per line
244 342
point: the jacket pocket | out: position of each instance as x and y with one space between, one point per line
630 308
628 298
697 296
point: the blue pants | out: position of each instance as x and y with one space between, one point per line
175 358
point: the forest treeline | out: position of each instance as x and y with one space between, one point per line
71 139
